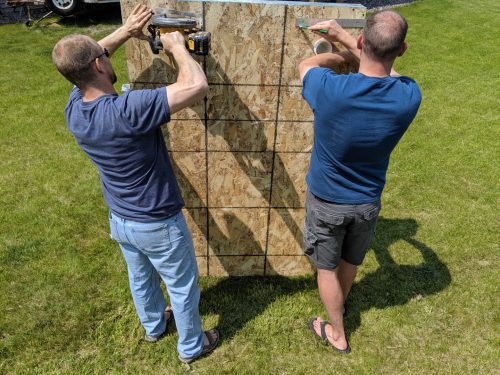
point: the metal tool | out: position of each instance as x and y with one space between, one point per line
170 20
305 23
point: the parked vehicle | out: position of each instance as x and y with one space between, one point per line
70 7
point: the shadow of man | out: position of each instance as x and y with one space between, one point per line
393 284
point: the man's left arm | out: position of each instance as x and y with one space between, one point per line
132 28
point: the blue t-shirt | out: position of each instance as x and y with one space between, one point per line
358 120
123 138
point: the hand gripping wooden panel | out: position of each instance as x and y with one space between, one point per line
241 155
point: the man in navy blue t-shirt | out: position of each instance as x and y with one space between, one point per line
123 138
358 120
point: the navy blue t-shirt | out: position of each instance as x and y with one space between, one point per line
123 138
358 120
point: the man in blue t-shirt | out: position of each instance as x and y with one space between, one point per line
358 120
123 138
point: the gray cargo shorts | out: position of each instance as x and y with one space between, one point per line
334 231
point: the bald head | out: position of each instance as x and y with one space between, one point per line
384 35
73 55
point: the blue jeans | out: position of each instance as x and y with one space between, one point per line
163 248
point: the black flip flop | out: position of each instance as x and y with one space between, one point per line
208 348
322 336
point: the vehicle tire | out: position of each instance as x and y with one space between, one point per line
64 7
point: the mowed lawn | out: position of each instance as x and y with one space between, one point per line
426 301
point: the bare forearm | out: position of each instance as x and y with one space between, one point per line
114 40
190 71
191 84
330 60
351 44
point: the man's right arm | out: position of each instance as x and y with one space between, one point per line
191 84
337 34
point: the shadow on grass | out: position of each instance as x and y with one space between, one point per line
393 284
239 300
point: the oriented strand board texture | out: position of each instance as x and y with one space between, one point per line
241 155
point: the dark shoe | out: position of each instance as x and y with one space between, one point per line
169 316
322 336
208 348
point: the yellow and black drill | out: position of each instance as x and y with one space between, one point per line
169 20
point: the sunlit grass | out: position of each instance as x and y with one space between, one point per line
426 300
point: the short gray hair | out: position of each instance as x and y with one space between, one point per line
72 56
384 35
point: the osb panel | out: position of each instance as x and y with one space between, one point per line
194 112
196 219
299 43
247 265
294 137
246 42
289 265
286 231
190 170
242 102
239 179
293 107
240 135
144 66
202 263
289 185
238 231
184 135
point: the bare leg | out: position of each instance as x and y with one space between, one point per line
347 274
332 297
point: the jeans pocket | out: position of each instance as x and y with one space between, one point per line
112 230
151 238
177 229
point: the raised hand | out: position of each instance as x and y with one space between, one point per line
173 40
137 20
335 33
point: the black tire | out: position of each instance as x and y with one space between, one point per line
64 7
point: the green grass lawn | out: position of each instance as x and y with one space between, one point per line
426 300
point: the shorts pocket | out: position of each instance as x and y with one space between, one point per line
371 213
310 241
329 218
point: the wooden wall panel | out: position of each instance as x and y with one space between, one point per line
239 179
202 266
288 265
292 106
285 227
241 135
294 137
237 231
244 265
241 154
289 186
196 220
242 102
184 135
191 172
244 35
